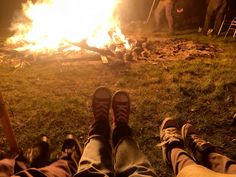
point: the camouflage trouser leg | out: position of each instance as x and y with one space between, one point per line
59 168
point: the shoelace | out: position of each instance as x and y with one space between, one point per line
121 112
169 133
198 143
101 109
198 140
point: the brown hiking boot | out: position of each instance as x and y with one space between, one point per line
101 103
72 147
39 155
196 144
170 138
121 108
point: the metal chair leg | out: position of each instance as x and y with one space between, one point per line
227 32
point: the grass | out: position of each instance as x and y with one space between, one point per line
52 99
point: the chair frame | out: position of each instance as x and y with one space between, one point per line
232 27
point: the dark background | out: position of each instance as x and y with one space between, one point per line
7 9
132 10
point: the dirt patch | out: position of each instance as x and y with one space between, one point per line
142 49
153 49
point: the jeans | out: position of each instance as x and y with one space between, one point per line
97 158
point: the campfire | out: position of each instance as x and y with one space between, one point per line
52 27
69 30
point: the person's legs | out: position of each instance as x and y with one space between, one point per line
129 160
96 159
36 156
7 167
66 166
39 155
209 15
220 163
173 145
220 16
205 153
158 11
169 17
180 159
174 155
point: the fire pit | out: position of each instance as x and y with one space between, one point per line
76 31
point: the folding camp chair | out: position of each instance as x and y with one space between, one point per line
232 27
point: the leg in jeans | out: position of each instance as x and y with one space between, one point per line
169 17
96 159
129 160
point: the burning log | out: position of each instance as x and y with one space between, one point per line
12 53
83 44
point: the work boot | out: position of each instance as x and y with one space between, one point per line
199 148
101 103
71 146
39 155
170 138
121 108
71 152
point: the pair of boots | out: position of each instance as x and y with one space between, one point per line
39 155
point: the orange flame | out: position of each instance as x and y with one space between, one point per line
46 25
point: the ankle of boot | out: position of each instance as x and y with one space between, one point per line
120 131
100 127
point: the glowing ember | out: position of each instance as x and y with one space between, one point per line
48 25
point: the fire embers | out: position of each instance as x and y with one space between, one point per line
137 50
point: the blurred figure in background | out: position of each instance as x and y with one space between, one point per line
165 6
215 12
